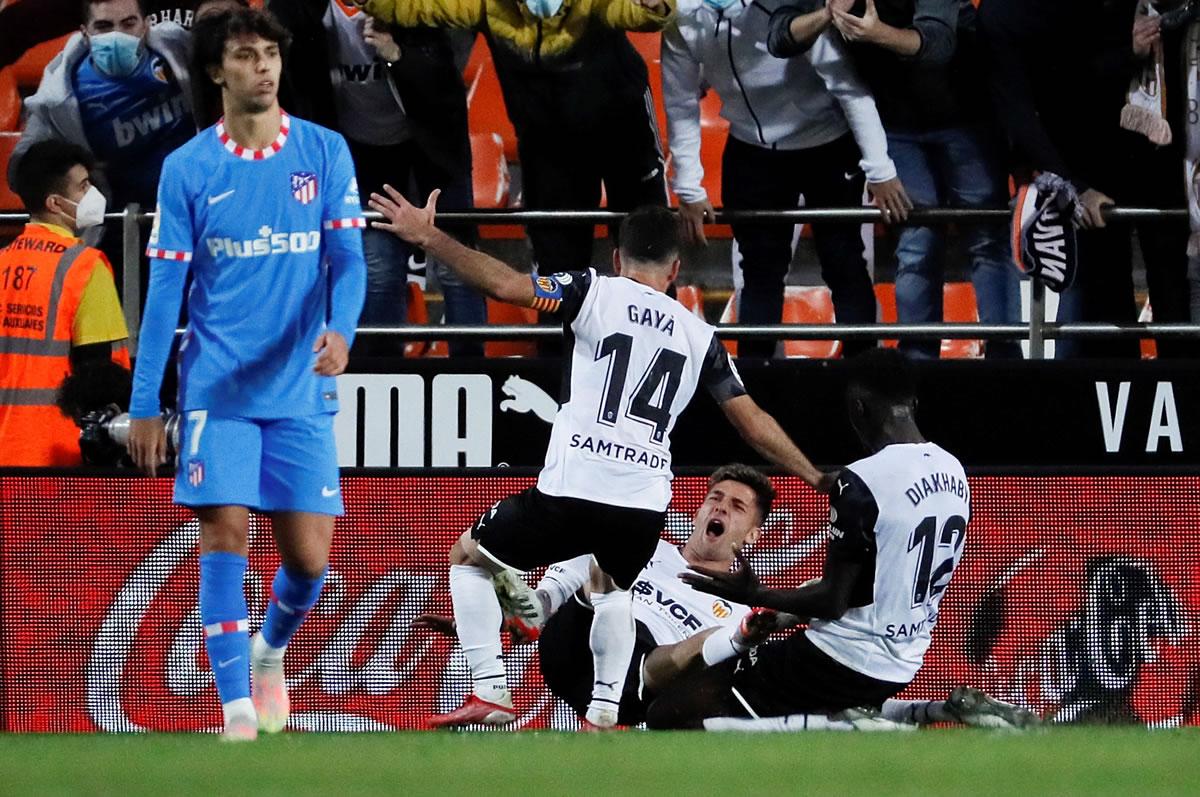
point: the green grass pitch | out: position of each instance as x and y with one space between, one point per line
963 762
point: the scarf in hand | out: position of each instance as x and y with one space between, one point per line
1145 108
1045 215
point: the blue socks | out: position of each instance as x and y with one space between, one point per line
223 615
292 596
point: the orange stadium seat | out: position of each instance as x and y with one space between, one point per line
958 306
801 305
885 298
10 101
29 67
809 305
691 297
9 201
500 313
489 171
1149 346
485 100
418 315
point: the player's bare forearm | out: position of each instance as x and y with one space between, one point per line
481 271
815 601
766 436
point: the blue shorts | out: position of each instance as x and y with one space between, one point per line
268 464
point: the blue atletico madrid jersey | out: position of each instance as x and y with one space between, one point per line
273 242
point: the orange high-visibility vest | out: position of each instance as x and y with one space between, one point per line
42 278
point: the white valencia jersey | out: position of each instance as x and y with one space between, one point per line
636 357
670 609
902 513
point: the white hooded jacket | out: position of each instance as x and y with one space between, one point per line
787 104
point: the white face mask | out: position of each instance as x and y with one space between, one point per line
89 210
719 5
544 9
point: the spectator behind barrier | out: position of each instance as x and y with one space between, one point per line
1059 73
918 58
799 126
578 96
119 89
1152 174
59 311
398 98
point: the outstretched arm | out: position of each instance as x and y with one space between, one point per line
480 271
826 598
766 436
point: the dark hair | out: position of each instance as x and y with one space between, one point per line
753 478
87 8
885 374
210 33
42 171
650 234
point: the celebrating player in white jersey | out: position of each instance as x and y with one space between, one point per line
636 358
674 623
898 520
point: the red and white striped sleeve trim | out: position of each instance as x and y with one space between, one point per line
169 254
357 222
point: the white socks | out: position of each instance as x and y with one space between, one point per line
478 616
240 709
916 712
722 644
612 641
262 652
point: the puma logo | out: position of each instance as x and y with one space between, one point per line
525 396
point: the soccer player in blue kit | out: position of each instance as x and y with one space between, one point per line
263 210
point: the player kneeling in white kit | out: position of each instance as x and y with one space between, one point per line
673 622
898 521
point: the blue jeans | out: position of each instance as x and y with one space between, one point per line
953 167
387 256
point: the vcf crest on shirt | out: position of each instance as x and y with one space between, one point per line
304 187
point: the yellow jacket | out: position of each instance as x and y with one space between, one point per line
575 70
510 23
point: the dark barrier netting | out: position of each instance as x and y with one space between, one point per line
1076 596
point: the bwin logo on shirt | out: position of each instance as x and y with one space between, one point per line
268 243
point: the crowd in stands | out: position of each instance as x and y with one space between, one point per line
910 103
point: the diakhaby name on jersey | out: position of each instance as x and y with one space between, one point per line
268 243
619 452
647 592
938 483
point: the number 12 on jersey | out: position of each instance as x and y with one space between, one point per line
930 582
651 400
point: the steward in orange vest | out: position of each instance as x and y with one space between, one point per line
58 306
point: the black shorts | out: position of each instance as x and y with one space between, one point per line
565 659
793 676
531 529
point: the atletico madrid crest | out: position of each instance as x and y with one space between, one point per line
195 472
304 187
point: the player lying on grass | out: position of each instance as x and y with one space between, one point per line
898 522
678 629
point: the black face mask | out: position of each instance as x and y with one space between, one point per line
1179 13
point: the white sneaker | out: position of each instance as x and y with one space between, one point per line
601 718
524 612
268 688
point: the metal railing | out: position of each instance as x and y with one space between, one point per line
1036 332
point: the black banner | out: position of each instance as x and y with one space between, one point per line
497 412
